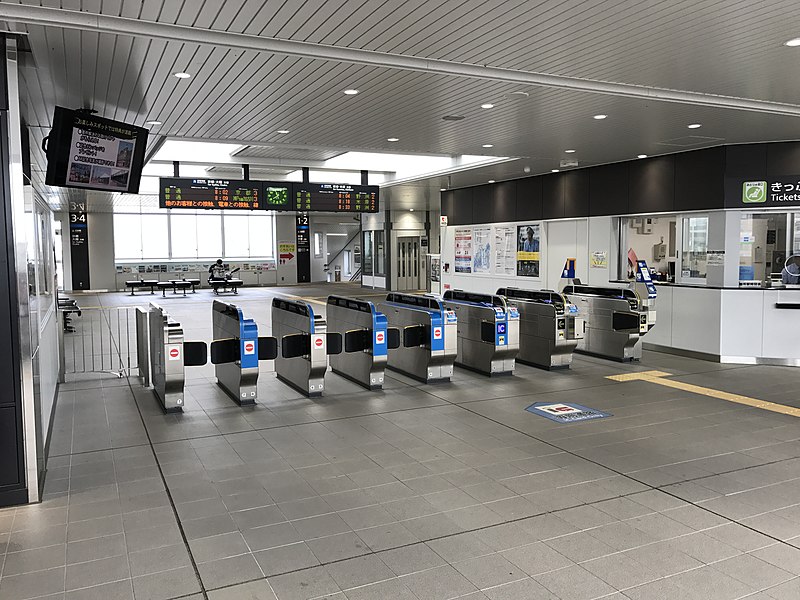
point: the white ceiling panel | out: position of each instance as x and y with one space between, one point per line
732 48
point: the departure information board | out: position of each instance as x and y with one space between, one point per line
210 193
232 194
335 197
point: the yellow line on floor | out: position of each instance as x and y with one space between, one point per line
659 377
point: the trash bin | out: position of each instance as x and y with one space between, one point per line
337 273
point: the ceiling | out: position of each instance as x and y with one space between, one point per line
244 95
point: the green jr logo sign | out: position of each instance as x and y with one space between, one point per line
754 192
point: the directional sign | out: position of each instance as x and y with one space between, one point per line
567 412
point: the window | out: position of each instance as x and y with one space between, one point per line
317 245
651 238
249 235
196 236
155 236
694 248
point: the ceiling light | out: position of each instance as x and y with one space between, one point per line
182 75
523 94
642 156
526 170
351 92
600 117
694 126
152 122
491 181
487 105
410 210
554 170
488 145
569 151
392 139
452 117
442 189
282 131
792 43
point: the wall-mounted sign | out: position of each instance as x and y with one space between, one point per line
463 258
334 197
228 194
303 248
715 258
443 221
598 259
756 193
79 245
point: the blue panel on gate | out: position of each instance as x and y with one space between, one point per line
566 412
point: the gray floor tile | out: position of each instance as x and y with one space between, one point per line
166 558
411 559
489 571
537 558
117 590
229 571
39 559
303 585
96 572
574 583
338 547
357 572
256 590
31 585
393 588
166 585
283 559
438 583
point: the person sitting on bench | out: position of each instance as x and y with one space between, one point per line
216 272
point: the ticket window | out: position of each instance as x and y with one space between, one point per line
651 238
694 249
766 240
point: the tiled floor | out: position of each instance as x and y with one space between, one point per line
417 492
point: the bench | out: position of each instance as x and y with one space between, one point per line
141 283
192 282
226 285
176 285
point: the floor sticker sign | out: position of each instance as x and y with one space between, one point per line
566 412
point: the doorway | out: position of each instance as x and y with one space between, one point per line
408 267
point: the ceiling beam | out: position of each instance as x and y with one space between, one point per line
257 161
69 19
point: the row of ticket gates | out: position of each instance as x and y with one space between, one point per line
421 336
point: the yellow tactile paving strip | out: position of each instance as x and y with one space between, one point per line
659 377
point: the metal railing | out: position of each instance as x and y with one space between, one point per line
106 340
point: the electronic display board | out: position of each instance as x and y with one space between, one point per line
335 197
193 193
231 194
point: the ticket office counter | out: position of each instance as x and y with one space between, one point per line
730 325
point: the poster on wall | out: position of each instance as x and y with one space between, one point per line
528 237
463 250
505 250
598 259
482 254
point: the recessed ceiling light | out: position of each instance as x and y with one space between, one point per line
491 181
410 210
392 139
526 170
554 170
642 156
792 43
282 131
600 117
569 151
523 94
694 126
153 123
351 92
487 105
442 189
488 145
182 75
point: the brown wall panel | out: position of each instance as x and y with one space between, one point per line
699 179
651 185
529 199
576 193
608 190
553 196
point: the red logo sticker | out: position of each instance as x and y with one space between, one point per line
318 342
379 337
437 333
174 353
249 348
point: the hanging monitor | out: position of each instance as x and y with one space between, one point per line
90 152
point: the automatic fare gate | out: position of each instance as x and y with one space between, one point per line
549 327
236 350
367 340
169 355
488 331
430 338
305 345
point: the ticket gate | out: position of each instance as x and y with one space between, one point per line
169 355
429 336
488 331
305 345
646 290
367 340
236 350
550 327
615 320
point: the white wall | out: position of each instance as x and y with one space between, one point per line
286 231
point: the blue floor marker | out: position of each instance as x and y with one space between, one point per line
566 412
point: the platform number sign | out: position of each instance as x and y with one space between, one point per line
79 245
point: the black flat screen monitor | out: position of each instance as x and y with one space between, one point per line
90 152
